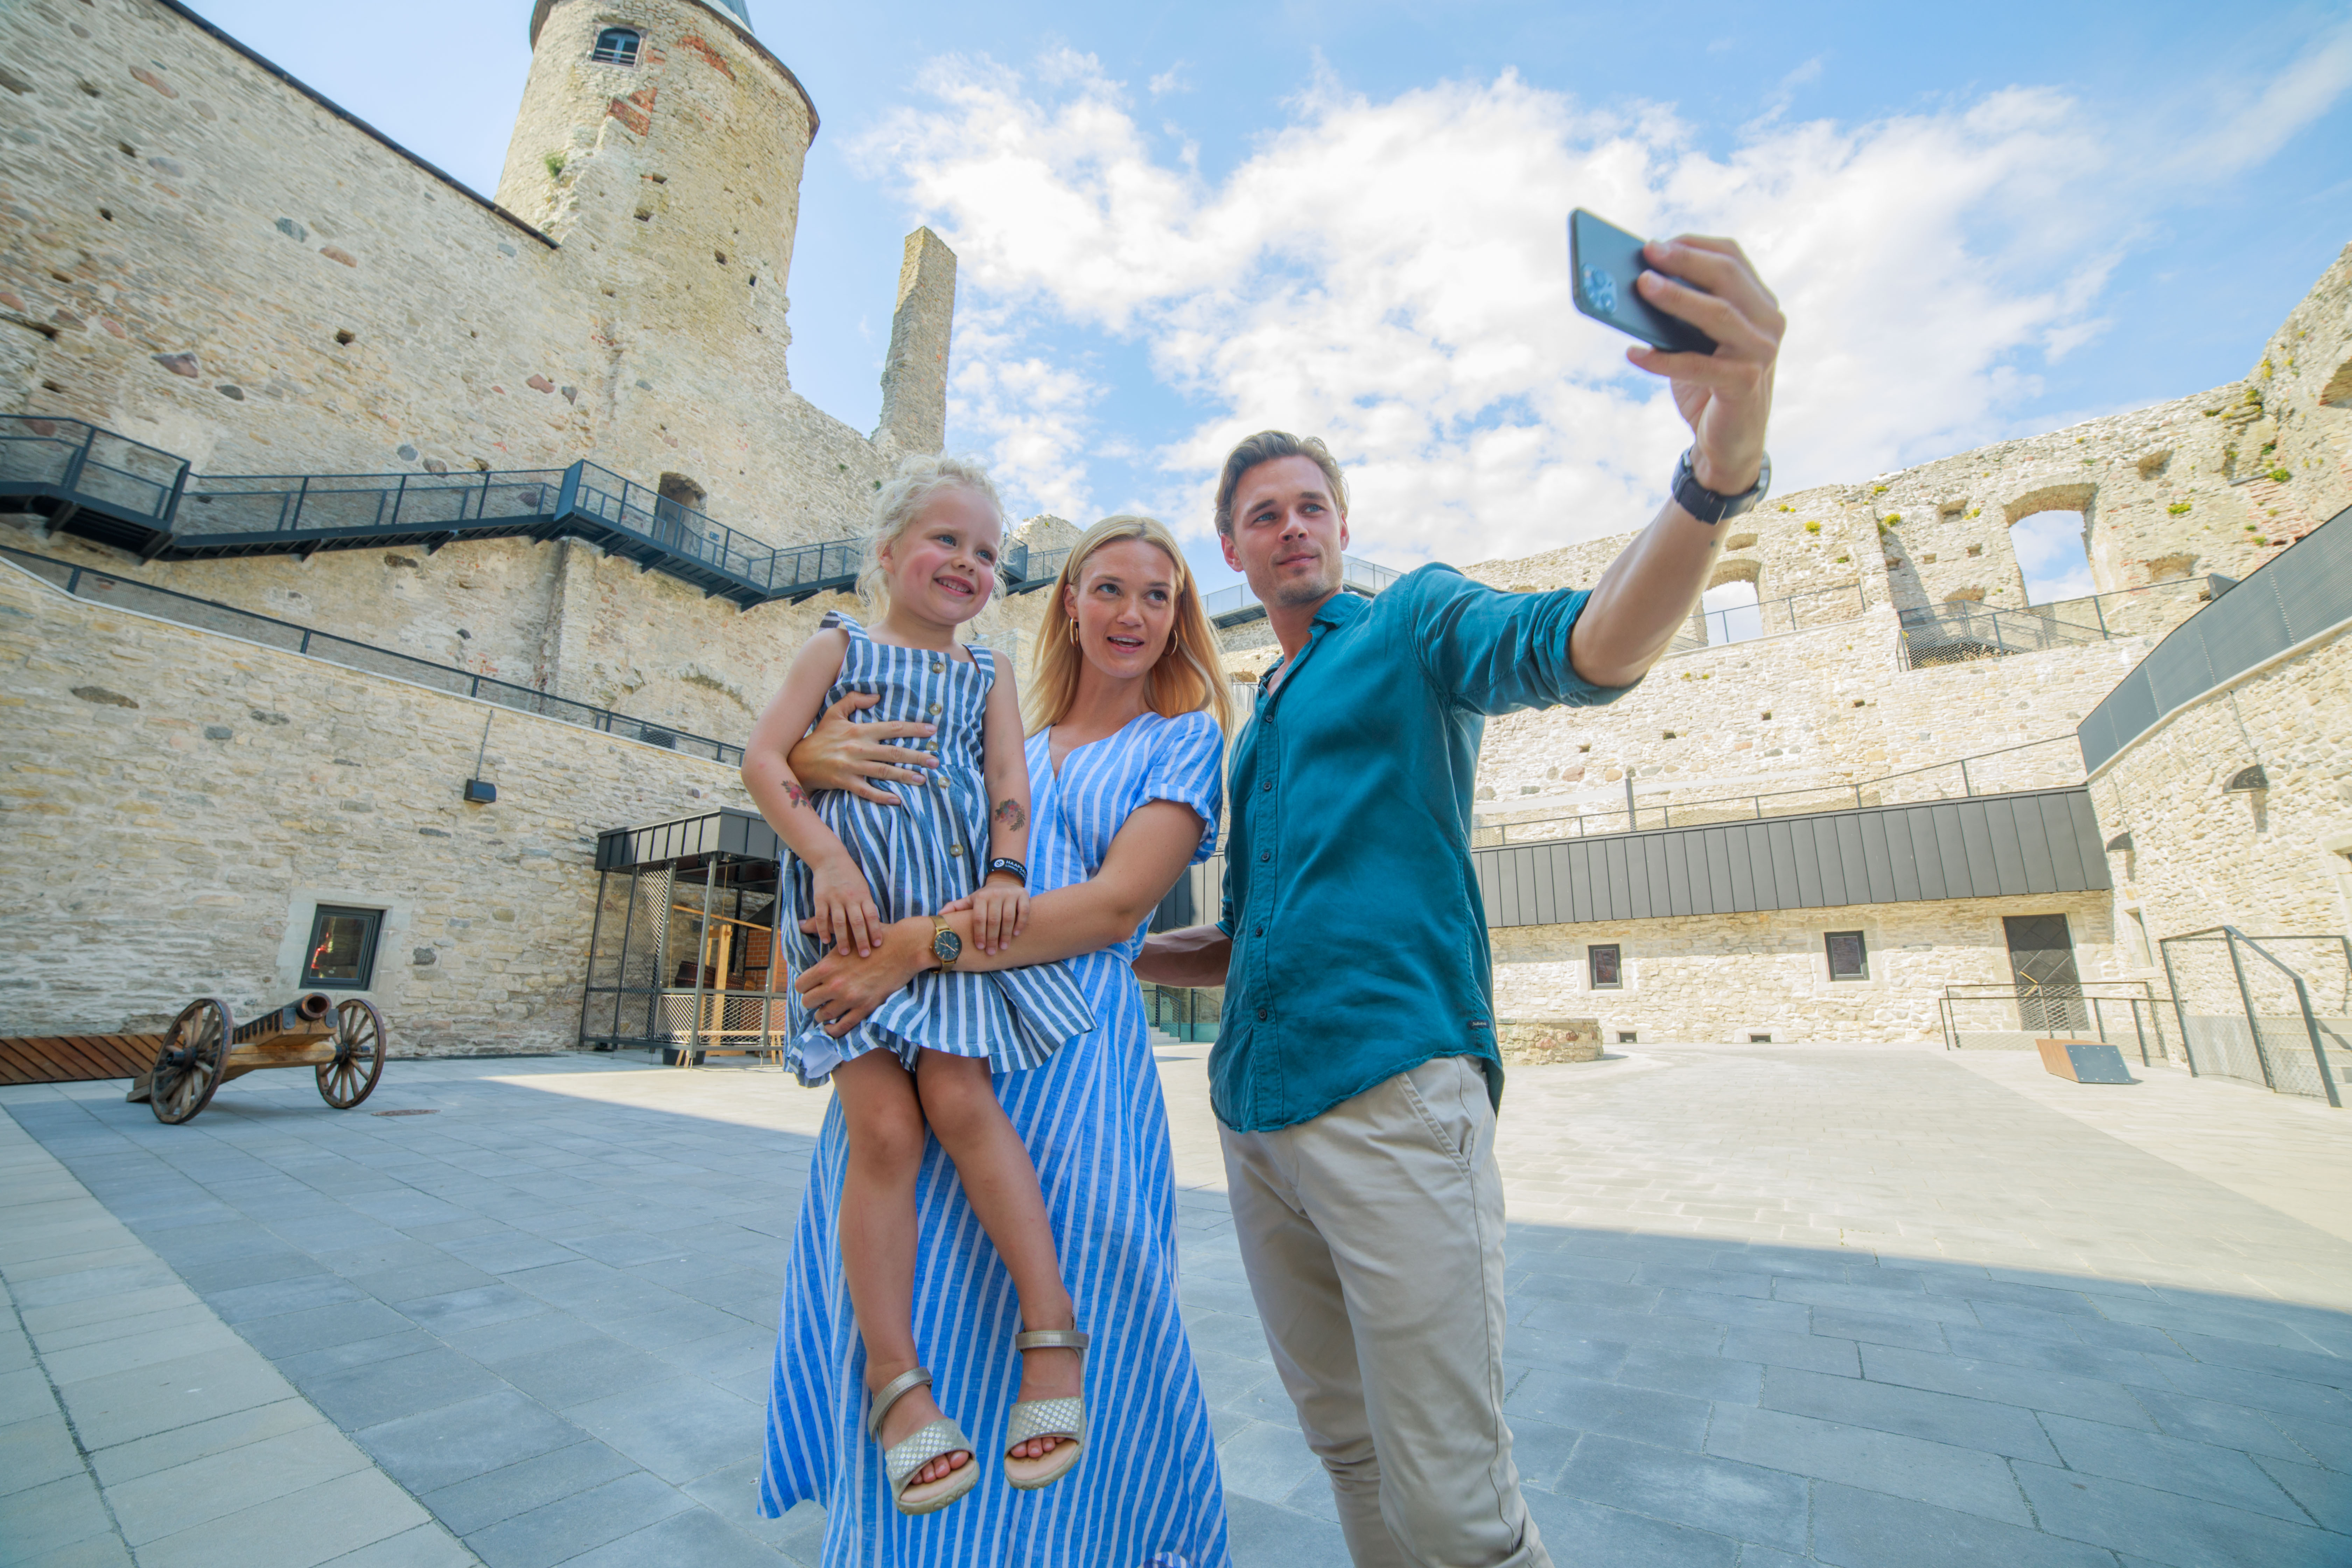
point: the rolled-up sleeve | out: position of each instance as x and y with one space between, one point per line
1494 652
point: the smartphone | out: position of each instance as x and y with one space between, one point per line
1603 260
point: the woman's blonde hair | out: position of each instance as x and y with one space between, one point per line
900 501
1191 673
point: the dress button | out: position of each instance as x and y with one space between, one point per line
938 668
935 710
956 849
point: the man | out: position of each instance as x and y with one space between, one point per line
1356 1077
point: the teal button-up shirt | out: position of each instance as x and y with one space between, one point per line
1358 938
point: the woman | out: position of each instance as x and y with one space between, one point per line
1126 712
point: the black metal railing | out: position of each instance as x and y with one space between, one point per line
251 506
2001 771
1961 630
1772 617
206 615
2297 594
2124 1012
74 458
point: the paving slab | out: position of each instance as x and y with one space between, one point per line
1767 1306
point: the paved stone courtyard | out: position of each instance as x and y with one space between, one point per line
1859 1307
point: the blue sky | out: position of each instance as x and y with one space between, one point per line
1179 223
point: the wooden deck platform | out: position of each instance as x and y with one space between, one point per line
76 1059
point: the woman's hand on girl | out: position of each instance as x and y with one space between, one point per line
1000 911
846 912
842 987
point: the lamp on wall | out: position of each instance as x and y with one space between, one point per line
2249 778
2120 844
480 790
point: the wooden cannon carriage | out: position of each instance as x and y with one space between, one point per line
344 1044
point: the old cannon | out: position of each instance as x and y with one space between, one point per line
205 1047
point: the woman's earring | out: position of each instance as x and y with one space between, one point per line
1074 632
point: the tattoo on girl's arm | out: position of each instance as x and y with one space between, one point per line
794 794
1009 813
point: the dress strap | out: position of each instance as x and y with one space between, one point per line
835 618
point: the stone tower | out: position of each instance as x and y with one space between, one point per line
914 377
660 145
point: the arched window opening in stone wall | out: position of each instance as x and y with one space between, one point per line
2049 553
1728 610
616 46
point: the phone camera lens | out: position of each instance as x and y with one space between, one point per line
1600 289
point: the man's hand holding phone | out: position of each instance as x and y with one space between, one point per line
1725 392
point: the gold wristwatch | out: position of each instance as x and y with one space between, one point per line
946 947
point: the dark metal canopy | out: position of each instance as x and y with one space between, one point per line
729 830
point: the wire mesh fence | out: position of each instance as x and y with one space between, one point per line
2272 1010
2125 1014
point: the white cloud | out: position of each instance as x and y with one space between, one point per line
1393 275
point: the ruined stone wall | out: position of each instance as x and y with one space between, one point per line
2276 860
1721 978
198 254
177 803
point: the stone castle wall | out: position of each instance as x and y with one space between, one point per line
200 256
1722 978
2270 861
177 803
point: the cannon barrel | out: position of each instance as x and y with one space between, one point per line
308 1017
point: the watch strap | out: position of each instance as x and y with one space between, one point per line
1708 506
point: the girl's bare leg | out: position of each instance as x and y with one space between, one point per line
1001 1184
885 1120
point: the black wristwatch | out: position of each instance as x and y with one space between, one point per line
1002 864
1707 506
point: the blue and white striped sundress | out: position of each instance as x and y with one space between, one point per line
1148 1487
918 857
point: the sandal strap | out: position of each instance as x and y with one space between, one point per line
889 1393
1052 1340
910 1454
1045 1418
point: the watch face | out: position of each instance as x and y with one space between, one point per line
946 947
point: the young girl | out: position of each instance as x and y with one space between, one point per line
925 1057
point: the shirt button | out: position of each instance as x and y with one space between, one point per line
1257 931
1265 854
1265 783
935 710
1261 1015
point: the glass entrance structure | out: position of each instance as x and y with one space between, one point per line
683 958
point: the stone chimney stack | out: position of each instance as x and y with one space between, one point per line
914 377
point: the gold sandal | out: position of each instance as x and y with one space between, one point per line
911 1453
1063 1417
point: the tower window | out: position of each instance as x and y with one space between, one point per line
616 46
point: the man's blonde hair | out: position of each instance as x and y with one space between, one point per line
1190 676
900 501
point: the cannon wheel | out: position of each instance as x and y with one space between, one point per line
188 1068
360 1050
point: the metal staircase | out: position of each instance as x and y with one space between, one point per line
104 487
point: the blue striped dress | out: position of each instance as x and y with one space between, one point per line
917 858
1147 1490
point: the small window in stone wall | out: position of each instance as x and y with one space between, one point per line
1607 975
1849 955
616 46
342 948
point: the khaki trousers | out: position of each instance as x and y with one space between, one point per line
1374 1237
